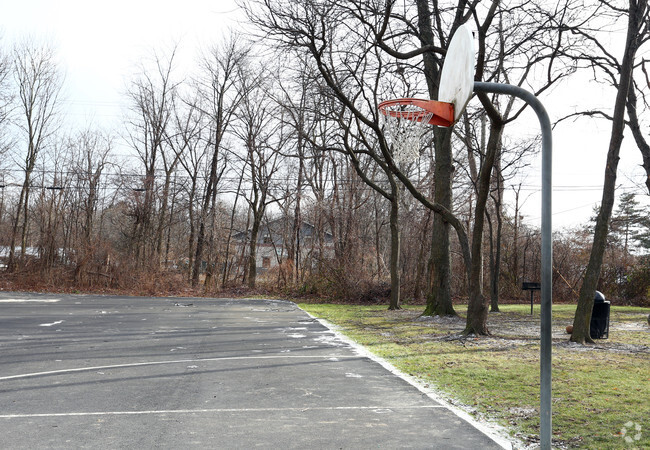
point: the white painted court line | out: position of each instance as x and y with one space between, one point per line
379 409
493 431
28 300
178 361
51 324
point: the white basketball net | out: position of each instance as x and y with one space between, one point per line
404 132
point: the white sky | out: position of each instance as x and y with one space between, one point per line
100 44
579 156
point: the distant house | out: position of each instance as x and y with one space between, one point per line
273 245
30 252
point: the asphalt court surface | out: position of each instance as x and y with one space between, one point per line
129 372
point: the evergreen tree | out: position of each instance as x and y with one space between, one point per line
626 224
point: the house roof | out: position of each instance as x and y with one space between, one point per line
277 226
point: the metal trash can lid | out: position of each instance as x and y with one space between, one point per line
599 297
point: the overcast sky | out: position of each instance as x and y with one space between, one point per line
100 44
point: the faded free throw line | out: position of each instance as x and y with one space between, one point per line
379 409
179 361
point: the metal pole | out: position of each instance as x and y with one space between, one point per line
547 249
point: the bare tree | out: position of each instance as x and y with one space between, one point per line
190 143
91 153
620 74
439 301
300 101
39 84
49 210
221 94
6 101
152 99
262 135
508 162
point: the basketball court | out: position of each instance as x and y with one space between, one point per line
119 372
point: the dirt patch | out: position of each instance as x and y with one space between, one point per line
632 326
514 330
448 320
611 347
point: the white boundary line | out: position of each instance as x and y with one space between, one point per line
159 363
494 432
215 410
28 300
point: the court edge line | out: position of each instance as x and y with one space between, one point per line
17 300
213 410
158 363
493 431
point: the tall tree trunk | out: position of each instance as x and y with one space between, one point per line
169 228
207 204
148 252
162 219
421 265
294 244
496 271
11 263
198 255
252 254
377 232
582 318
192 231
394 250
23 236
477 308
233 212
495 258
492 262
515 242
439 301
393 196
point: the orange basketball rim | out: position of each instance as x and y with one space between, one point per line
415 109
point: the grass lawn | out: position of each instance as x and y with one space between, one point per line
598 390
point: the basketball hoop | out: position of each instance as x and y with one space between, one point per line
406 120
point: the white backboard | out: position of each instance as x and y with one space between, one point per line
457 77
